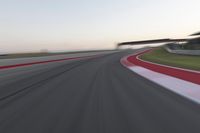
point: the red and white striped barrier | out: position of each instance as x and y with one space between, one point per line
182 81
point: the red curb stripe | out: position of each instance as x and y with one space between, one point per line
43 62
126 63
175 72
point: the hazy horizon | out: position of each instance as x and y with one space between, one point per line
67 25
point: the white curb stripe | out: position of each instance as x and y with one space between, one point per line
184 88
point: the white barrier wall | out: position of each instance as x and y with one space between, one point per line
183 52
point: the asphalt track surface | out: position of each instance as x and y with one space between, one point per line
96 95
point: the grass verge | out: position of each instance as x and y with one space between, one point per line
161 56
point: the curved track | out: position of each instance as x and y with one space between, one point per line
95 95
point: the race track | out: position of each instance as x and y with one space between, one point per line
92 95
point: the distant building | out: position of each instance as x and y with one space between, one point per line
194 43
44 51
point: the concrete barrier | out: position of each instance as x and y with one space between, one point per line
182 52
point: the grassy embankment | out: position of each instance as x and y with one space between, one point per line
161 56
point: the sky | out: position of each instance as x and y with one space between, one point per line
67 25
